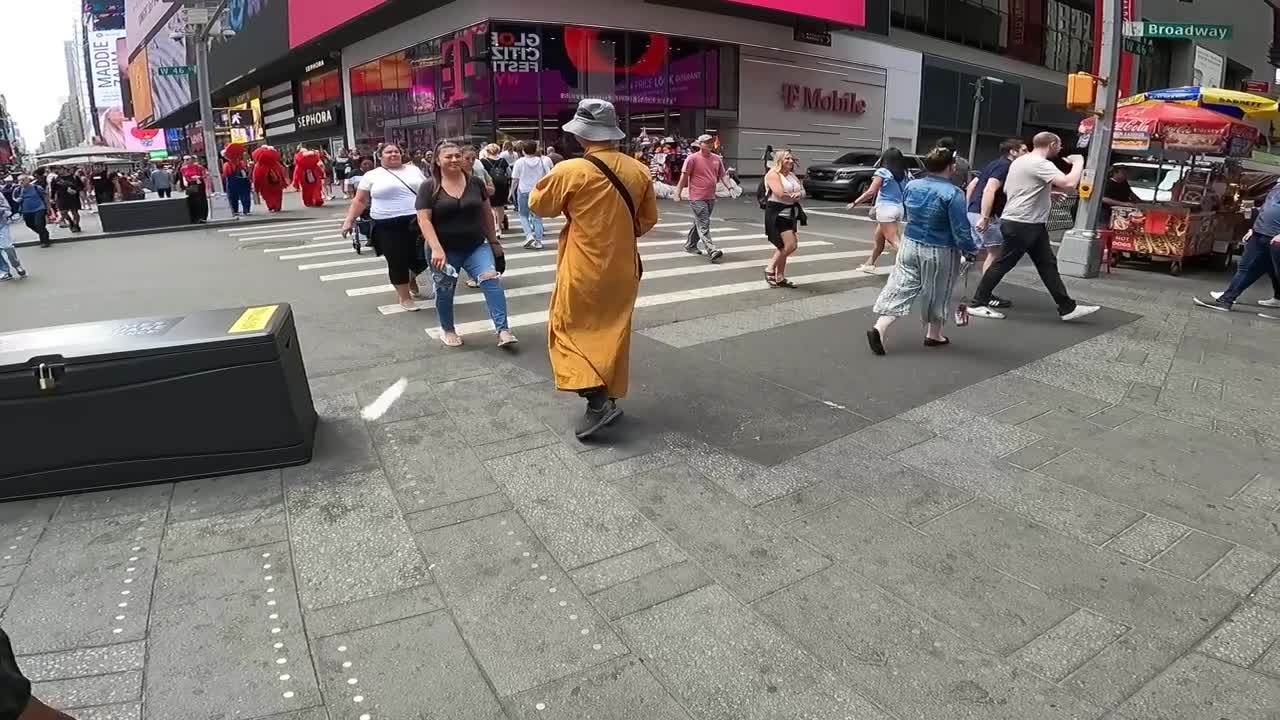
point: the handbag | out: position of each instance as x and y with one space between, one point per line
626 197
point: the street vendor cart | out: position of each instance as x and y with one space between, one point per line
1201 214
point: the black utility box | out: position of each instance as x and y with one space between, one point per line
131 215
147 400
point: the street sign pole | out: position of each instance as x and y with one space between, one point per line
206 118
1081 252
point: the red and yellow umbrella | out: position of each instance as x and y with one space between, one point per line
1176 127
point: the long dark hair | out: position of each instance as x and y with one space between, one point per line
893 161
437 175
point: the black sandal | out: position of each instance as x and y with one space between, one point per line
771 279
875 341
930 342
784 283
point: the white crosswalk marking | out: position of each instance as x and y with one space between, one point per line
528 290
265 227
539 317
861 213
278 236
305 246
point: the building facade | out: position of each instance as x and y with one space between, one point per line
1031 46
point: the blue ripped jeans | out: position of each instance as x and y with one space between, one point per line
476 262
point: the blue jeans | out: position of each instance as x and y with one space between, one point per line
476 262
239 194
529 222
1260 258
13 262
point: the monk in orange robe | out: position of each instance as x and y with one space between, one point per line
598 266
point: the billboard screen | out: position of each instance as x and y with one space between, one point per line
169 92
140 86
309 19
140 18
843 12
261 37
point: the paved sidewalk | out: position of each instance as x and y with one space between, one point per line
1090 535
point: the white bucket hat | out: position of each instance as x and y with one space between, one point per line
596 121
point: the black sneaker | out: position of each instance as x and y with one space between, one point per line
595 419
695 250
1217 305
999 302
716 255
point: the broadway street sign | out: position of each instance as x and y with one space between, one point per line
1176 31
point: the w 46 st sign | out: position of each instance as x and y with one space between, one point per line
1176 31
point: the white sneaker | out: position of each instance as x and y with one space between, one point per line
529 243
1217 294
1079 312
983 311
537 244
409 306
867 267
1270 302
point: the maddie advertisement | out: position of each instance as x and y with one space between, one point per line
309 19
844 12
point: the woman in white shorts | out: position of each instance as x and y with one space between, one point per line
887 187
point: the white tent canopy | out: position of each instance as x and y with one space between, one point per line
85 150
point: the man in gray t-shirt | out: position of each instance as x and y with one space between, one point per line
1029 192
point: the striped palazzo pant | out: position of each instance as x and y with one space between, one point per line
924 274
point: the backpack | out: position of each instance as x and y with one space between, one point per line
499 171
762 194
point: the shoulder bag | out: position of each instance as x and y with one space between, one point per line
626 197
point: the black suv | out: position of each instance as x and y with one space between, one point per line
849 175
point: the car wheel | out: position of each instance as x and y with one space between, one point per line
860 188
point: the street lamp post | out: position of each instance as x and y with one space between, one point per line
977 112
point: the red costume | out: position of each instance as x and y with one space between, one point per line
269 177
308 177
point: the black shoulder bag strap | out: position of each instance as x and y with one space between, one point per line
626 197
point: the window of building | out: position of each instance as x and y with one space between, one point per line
319 92
983 24
1068 36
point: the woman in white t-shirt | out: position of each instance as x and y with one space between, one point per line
525 175
782 216
390 193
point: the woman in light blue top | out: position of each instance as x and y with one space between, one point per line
937 235
887 188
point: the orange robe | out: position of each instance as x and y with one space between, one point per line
597 270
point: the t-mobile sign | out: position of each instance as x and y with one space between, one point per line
843 12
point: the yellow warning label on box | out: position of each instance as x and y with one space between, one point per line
254 319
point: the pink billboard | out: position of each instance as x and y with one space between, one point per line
843 12
309 19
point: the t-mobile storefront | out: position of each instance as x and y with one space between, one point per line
745 80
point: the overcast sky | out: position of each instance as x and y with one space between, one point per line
35 77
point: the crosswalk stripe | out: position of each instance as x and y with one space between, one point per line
521 271
530 290
248 229
847 216
304 246
365 260
277 236
319 253
701 293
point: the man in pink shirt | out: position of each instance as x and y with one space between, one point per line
702 171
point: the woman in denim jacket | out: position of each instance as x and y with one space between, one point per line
936 238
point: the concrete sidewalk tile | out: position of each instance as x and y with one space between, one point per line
802 502
725 663
524 620
621 689
85 691
632 465
1068 645
1132 356
1166 498
1114 416
1147 538
1078 379
1022 412
1142 394
514 445
419 399
458 512
650 589
1243 637
989 607
220 533
982 399
114 502
632 564
349 540
121 711
199 499
345 406
83 662
33 513
486 416
906 662
890 436
1261 492
60 540
940 415
68 596
231 656
750 482
395 605
1122 668
342 446
437 368
1073 511
739 546
1240 571
991 437
1193 555
1197 687
312 713
1063 425
1036 454
9 574
1082 574
410 668
581 519
429 464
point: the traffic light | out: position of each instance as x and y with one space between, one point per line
1082 91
